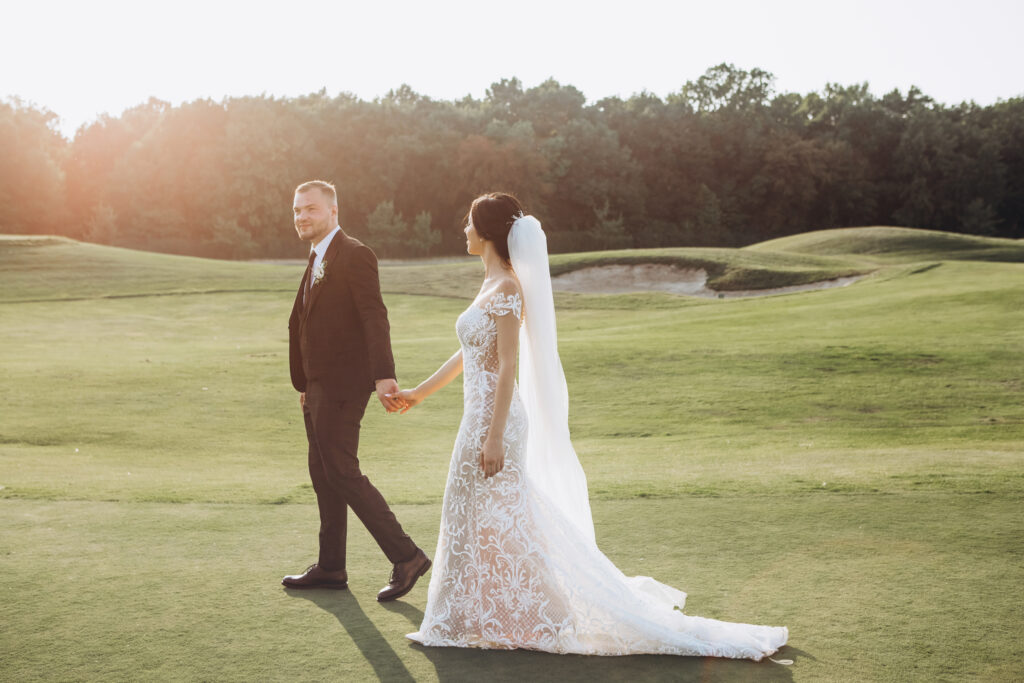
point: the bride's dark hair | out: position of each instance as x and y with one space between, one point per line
492 215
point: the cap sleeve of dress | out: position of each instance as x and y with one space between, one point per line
503 304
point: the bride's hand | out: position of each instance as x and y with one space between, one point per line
492 458
410 398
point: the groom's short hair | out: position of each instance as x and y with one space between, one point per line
322 185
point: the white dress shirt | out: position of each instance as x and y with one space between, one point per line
321 248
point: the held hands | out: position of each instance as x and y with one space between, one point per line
492 457
387 393
410 397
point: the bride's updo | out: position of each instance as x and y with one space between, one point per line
492 215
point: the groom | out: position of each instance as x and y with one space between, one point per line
340 352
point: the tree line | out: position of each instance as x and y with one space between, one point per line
726 161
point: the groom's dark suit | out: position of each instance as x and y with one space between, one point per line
339 345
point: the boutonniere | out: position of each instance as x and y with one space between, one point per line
320 272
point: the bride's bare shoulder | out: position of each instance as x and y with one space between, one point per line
508 286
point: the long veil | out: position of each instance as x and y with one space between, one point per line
551 461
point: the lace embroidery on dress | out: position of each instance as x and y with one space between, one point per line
511 572
502 304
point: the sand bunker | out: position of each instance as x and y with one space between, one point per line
651 277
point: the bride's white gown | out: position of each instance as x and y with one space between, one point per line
510 571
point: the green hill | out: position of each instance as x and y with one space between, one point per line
896 245
89 270
55 268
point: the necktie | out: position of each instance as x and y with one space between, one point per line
309 278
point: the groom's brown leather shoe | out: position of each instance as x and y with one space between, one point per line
403 577
315 577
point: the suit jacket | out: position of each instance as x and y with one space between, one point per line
341 337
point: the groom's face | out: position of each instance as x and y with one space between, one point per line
315 215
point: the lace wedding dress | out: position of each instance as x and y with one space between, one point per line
512 570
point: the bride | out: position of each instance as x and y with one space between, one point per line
516 564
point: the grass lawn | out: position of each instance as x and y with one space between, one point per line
848 463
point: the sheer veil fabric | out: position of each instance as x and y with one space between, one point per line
551 461
516 564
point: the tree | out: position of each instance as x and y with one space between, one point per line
948 160
724 161
32 153
727 88
101 226
95 153
979 218
505 157
424 238
391 236
1006 120
609 232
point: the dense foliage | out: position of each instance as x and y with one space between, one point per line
725 161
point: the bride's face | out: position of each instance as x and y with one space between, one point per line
474 242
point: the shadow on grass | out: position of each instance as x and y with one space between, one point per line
373 646
460 664
413 614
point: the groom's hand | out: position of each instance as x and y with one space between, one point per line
392 404
302 400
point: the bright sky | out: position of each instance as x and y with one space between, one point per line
81 58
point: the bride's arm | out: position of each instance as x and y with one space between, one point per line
492 458
445 374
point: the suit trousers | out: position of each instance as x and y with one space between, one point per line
332 429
